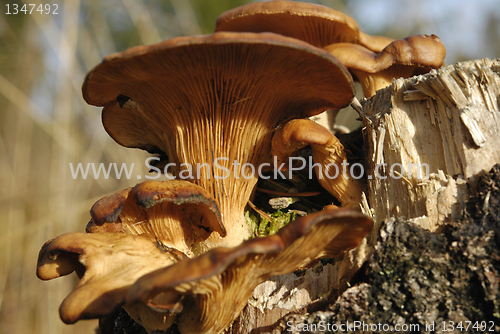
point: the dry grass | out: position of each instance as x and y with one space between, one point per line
45 125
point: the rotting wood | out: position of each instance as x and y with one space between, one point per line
285 294
448 119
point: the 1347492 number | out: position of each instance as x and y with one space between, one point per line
30 8
466 326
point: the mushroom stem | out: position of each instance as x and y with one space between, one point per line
229 172
330 161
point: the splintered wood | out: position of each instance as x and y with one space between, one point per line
444 124
426 136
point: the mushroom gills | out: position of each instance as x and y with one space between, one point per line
205 285
180 214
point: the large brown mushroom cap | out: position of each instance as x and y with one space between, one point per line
214 287
193 98
402 58
327 152
312 23
154 71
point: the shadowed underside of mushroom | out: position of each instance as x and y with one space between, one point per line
179 288
179 214
402 58
212 102
107 265
214 287
327 152
312 23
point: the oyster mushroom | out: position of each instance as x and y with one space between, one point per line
107 265
315 24
214 287
211 103
402 58
152 225
329 158
177 213
203 294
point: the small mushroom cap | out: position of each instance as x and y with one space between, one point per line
421 51
149 90
326 150
151 193
178 213
107 264
402 58
297 134
312 23
227 276
105 213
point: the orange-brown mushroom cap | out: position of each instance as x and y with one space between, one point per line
107 264
105 213
312 23
178 213
327 151
215 286
194 97
402 58
208 67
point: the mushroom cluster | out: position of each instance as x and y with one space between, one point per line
219 110
373 60
400 59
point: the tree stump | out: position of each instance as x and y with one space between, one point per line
432 259
446 121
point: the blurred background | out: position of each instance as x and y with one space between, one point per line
45 125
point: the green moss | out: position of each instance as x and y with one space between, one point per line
262 227
285 188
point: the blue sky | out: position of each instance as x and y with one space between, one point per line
459 23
